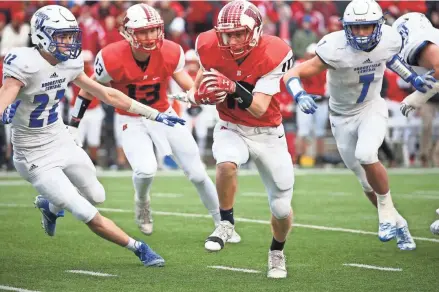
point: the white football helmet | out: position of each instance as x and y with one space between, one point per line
361 12
52 20
142 17
239 15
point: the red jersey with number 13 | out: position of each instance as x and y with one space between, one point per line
148 87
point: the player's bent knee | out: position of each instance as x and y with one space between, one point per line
85 214
197 176
366 156
145 172
98 195
281 207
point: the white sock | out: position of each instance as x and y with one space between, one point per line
133 244
208 195
400 221
54 209
142 185
385 207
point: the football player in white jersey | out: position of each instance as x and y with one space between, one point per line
356 58
420 50
45 153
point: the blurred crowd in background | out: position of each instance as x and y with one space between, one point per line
410 141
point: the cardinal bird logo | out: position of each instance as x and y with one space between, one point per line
124 127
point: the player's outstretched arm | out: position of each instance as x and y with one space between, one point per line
306 69
183 79
420 83
292 82
429 59
119 100
8 93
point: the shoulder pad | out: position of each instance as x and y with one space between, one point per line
22 59
331 49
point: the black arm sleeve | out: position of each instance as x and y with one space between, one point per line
81 105
245 97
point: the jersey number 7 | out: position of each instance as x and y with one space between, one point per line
366 80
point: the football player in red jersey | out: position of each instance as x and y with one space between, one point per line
140 66
241 72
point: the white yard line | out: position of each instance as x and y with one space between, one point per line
298 172
235 269
374 267
90 273
166 195
9 183
253 194
192 215
9 288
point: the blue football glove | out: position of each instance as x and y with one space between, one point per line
169 120
423 82
9 112
306 102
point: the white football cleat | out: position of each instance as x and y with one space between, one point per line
434 227
144 217
222 233
276 264
236 238
404 239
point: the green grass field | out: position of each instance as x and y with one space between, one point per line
31 260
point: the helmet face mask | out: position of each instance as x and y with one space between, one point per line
359 16
238 29
365 42
236 41
65 44
147 39
144 28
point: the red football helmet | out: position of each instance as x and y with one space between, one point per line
142 17
239 16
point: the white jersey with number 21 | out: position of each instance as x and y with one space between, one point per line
37 121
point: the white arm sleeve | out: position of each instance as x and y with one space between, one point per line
181 62
269 84
101 73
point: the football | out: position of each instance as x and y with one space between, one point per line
203 96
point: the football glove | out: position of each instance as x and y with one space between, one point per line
423 82
169 120
9 112
306 102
